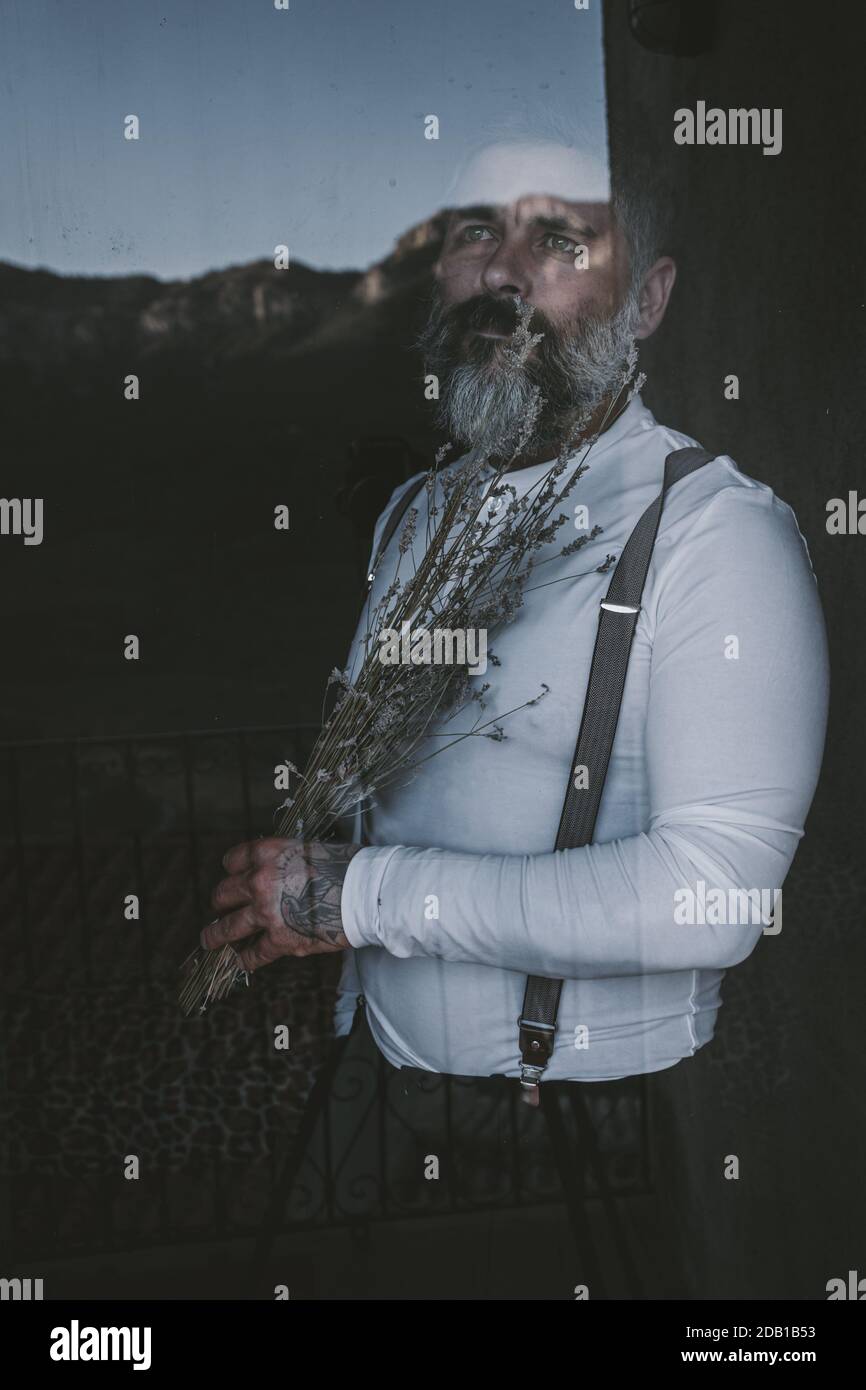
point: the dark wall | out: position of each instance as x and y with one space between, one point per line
771 288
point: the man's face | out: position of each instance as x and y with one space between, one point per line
565 258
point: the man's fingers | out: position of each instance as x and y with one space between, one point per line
262 952
239 857
233 927
231 892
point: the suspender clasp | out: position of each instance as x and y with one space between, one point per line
529 1083
536 1050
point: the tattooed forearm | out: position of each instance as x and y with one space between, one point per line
314 909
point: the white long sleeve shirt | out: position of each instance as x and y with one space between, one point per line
458 894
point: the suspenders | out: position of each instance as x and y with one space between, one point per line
617 621
391 526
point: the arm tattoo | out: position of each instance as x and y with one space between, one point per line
315 911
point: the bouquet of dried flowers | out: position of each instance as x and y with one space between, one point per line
472 575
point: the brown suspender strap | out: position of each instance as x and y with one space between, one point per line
617 621
391 525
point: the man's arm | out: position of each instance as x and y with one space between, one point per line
733 747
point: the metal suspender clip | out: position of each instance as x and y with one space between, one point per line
620 607
536 1049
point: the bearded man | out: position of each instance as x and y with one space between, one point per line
718 742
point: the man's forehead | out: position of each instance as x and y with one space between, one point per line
504 173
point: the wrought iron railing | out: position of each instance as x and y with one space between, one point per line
100 1063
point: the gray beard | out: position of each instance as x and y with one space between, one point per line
495 407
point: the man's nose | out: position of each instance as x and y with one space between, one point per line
506 272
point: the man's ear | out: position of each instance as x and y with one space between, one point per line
654 295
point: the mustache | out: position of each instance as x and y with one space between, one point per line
440 340
486 314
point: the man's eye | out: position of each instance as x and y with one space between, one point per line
474 233
557 242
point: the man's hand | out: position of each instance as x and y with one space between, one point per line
284 892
